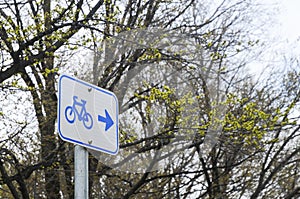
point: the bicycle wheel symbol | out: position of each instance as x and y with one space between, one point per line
87 121
70 114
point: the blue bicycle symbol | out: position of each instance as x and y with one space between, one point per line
83 115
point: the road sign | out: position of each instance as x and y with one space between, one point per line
87 115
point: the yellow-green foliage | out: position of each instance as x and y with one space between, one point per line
49 71
245 121
151 54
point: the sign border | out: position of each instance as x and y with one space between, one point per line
59 116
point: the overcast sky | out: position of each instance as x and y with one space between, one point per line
289 19
283 35
288 29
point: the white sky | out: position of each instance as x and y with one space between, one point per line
283 35
288 29
289 20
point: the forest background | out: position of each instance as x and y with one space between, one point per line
194 120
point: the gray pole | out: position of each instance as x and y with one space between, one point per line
81 173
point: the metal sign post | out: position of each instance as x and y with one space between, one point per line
81 173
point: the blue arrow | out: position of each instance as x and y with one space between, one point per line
107 120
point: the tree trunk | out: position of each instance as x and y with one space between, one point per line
47 128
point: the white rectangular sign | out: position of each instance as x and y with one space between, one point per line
87 115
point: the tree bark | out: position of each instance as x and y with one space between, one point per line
47 127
